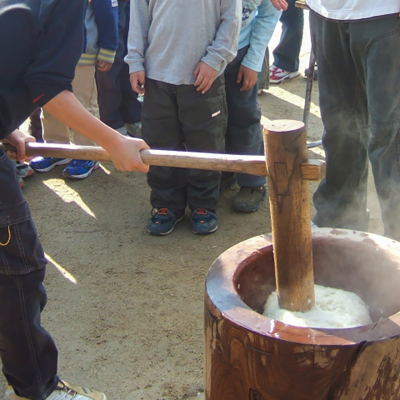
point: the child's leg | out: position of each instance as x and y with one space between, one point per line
244 133
286 54
203 118
54 131
84 87
35 128
161 130
28 353
118 103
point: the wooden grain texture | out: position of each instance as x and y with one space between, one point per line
373 374
313 170
286 150
250 356
242 364
255 165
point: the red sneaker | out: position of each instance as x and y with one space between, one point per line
277 75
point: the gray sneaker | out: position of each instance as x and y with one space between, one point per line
63 391
134 130
249 199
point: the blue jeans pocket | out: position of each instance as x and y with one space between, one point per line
20 248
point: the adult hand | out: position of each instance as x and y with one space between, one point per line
137 81
125 154
103 66
18 140
205 76
280 4
248 77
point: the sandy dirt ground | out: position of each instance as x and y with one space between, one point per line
126 308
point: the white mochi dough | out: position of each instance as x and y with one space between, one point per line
334 308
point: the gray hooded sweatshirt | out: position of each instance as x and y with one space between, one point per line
168 38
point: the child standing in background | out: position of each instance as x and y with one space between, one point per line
101 41
244 133
119 106
177 52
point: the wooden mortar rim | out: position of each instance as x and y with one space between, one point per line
224 297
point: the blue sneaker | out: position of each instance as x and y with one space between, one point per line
163 220
79 169
204 221
46 164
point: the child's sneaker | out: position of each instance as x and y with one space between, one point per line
63 391
163 220
46 164
134 129
277 75
79 169
23 170
249 199
204 221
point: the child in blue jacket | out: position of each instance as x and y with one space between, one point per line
244 132
100 45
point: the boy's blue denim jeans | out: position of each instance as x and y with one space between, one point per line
286 54
359 87
244 132
28 353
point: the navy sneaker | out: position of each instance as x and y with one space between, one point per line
46 164
204 221
79 169
163 220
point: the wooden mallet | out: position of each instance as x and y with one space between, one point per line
288 169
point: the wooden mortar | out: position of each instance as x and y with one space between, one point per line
251 357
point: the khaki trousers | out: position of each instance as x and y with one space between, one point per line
84 87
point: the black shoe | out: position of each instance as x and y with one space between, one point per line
163 220
228 180
249 199
204 221
307 73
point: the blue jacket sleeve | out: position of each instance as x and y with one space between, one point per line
263 28
106 14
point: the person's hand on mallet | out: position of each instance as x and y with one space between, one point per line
18 139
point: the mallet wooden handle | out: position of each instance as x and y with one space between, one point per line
163 158
286 150
254 165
